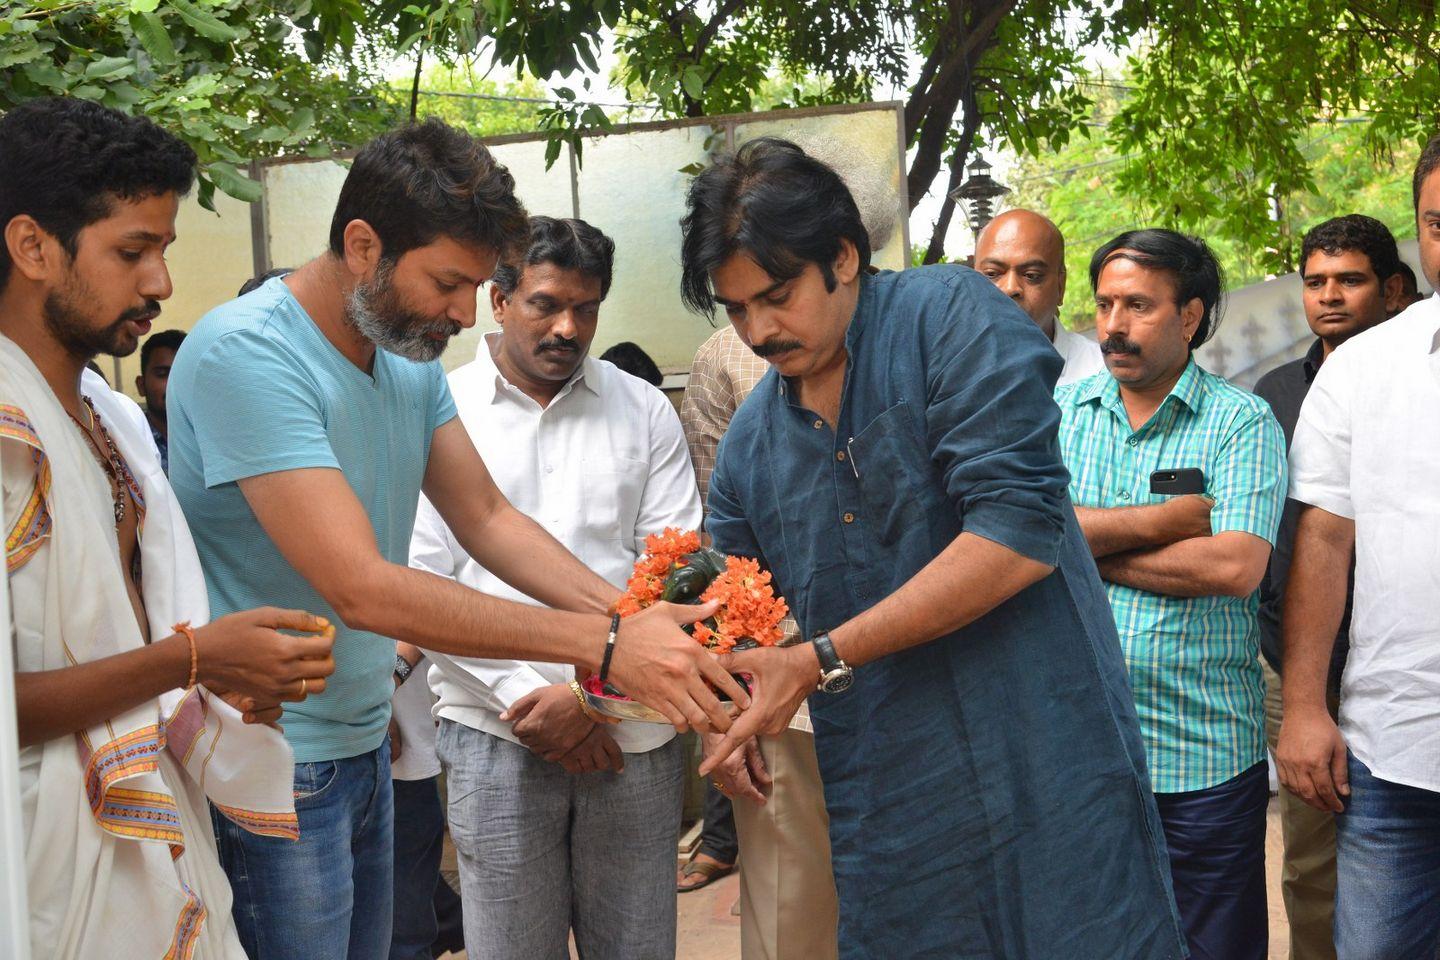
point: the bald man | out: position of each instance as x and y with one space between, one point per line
1023 254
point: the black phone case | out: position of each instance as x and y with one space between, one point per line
1177 482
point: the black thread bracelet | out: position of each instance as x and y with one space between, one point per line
610 647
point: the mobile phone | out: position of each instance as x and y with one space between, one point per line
1181 480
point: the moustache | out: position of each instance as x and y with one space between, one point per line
771 348
148 311
1121 345
559 345
446 329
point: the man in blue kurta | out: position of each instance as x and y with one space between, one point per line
898 473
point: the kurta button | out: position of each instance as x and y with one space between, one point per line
840 455
819 424
1124 494
848 518
549 469
1134 441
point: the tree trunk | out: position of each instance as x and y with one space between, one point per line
930 111
936 250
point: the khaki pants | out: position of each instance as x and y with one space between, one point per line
788 909
1307 878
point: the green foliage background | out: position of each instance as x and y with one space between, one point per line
1079 187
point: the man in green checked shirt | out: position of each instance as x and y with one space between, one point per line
1178 480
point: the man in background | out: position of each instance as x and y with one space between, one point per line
560 822
631 358
1409 288
1023 253
788 907
1178 479
156 358
1350 281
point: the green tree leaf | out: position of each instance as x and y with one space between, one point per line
149 29
233 182
204 22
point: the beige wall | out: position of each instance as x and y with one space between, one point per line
630 185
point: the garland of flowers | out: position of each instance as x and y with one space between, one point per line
749 609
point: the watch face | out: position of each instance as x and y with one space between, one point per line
838 681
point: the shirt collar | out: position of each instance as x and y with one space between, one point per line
1313 358
1189 390
587 376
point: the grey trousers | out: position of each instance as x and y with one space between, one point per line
542 851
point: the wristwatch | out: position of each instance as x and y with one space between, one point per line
835 675
402 669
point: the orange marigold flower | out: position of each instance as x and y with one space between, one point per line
749 608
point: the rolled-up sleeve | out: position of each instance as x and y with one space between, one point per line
992 421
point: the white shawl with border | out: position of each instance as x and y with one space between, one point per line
120 854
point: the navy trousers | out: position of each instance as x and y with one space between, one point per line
1216 840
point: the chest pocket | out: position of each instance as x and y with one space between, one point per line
893 471
610 493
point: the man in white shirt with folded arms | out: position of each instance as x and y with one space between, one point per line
549 833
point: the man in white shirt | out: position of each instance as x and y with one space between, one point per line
1365 459
550 835
1023 253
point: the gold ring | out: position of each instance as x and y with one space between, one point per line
302 688
718 785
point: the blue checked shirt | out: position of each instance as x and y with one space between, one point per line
1198 686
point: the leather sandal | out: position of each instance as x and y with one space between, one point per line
708 872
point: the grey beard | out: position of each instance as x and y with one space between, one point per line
403 336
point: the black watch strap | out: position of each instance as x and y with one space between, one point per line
825 652
403 668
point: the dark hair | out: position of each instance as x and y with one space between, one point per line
1354 232
255 283
164 339
427 180
66 161
1409 285
781 206
634 361
1187 259
1429 160
568 244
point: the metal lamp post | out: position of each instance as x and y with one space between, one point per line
977 195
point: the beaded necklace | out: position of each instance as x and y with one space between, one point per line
109 458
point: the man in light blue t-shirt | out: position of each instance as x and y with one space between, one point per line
306 418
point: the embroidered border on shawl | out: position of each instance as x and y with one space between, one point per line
32 527
140 814
187 927
283 825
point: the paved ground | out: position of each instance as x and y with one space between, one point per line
709 931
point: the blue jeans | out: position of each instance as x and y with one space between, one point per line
425 906
543 851
1387 847
1216 841
326 896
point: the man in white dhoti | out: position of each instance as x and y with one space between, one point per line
123 736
